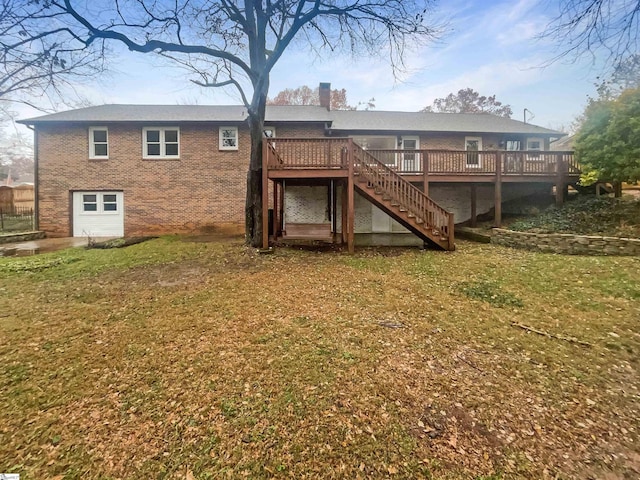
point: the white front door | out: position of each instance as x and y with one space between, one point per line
473 146
98 214
410 162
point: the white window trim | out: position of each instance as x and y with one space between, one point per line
100 204
535 139
163 145
473 165
220 146
92 144
535 157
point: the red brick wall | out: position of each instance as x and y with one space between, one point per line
204 189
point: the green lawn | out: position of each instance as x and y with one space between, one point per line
177 359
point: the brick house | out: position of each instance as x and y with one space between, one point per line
146 169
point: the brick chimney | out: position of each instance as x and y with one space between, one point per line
324 91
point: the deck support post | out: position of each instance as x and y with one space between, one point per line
334 209
474 207
343 217
425 173
560 182
265 197
497 201
350 202
274 218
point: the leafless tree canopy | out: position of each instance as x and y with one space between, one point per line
596 26
39 54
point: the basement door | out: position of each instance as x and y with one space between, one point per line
98 214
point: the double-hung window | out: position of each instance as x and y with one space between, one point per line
228 138
160 142
98 143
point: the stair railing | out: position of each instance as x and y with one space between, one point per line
436 220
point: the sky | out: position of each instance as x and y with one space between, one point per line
490 46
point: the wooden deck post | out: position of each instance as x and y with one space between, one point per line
474 207
334 210
560 182
274 218
350 202
343 205
265 197
282 207
497 201
425 173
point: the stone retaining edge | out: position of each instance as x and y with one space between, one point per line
566 243
21 237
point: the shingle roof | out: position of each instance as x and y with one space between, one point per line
432 122
179 113
338 120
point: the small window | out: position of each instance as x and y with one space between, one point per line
89 203
228 138
98 143
269 132
109 203
161 142
534 145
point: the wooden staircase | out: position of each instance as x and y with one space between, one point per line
401 200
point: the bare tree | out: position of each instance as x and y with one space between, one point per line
232 43
39 55
593 26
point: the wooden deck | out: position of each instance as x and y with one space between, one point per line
397 181
327 158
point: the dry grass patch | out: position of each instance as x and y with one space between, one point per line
170 357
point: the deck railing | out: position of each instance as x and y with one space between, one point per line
295 153
452 162
322 153
417 204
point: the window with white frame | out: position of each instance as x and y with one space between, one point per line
534 145
228 138
161 142
98 143
96 202
89 203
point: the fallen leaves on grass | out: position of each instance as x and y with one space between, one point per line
180 360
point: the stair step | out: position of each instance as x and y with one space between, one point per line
402 209
395 204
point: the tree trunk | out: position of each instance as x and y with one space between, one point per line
253 204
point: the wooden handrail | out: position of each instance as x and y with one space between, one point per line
409 197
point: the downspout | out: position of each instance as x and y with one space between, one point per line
36 183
